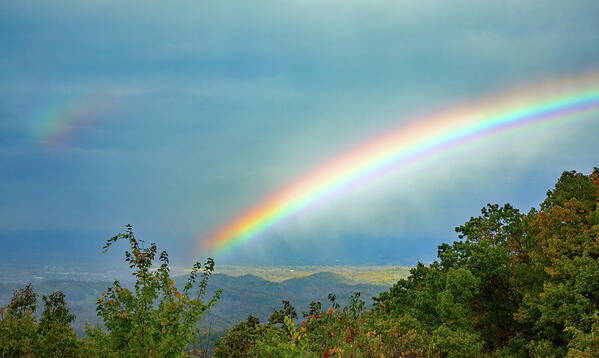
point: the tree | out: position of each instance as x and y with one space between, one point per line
491 246
21 335
154 319
18 326
278 316
563 304
56 337
239 340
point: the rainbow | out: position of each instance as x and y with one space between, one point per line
58 120
421 138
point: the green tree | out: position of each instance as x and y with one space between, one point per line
240 339
56 337
561 304
523 285
584 345
278 316
18 327
154 319
490 248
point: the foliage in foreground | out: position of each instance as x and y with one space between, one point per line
21 334
154 319
513 285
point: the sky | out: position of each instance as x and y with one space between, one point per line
178 116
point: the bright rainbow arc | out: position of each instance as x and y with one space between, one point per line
416 141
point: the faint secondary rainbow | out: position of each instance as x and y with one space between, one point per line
423 137
58 120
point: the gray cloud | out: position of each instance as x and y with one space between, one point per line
214 106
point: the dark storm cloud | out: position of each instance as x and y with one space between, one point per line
214 105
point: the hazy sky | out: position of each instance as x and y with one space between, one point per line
177 115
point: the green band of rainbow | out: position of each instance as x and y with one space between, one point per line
416 141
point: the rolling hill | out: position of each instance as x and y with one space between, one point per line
242 295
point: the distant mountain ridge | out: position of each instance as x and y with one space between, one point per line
242 295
